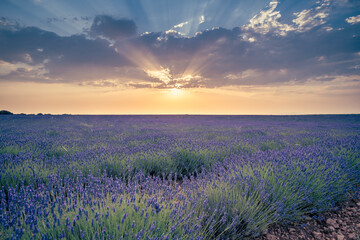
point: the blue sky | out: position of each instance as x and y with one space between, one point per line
234 45
72 17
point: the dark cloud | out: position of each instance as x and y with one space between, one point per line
65 19
58 55
41 45
111 28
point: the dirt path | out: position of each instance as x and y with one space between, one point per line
342 224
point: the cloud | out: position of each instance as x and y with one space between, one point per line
268 20
171 33
310 18
163 74
111 28
75 49
81 20
102 83
59 56
180 25
23 72
353 20
201 19
266 52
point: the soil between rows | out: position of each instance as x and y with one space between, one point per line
341 223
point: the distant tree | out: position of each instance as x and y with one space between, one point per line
5 112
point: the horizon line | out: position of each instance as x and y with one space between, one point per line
179 114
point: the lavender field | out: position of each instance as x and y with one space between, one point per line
171 177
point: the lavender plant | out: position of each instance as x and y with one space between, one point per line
171 177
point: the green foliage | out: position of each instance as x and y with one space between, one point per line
108 216
307 141
243 203
14 149
270 145
271 193
30 172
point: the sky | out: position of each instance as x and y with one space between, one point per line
180 56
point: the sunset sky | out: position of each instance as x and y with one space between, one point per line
180 57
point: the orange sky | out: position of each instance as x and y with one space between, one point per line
308 98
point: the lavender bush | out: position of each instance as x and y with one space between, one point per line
171 177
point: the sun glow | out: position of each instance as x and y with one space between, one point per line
176 92
163 74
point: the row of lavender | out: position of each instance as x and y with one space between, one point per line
171 177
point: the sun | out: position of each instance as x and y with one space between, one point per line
176 92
